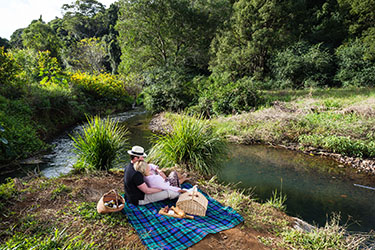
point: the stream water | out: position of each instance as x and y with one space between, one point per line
315 187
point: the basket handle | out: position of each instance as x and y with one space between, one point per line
116 196
194 192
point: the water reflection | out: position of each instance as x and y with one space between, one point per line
315 186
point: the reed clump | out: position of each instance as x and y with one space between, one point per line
101 142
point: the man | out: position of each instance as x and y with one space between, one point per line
136 190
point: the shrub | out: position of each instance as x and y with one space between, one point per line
219 95
101 86
100 144
192 144
355 69
20 131
169 90
303 65
8 66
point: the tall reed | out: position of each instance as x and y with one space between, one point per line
99 144
192 144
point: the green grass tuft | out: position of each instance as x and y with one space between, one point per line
192 144
100 144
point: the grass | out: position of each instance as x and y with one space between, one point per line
72 222
335 120
277 200
100 144
192 143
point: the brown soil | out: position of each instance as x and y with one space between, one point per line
38 200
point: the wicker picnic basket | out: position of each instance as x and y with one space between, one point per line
193 202
117 199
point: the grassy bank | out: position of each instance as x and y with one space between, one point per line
61 214
335 120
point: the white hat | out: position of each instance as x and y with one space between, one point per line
137 151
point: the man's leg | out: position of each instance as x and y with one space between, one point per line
166 194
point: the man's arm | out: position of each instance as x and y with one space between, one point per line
145 189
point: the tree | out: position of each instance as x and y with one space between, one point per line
4 43
41 37
361 14
84 19
166 33
16 39
256 29
89 55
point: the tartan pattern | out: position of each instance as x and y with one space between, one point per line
163 232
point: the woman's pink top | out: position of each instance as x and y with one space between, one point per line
156 181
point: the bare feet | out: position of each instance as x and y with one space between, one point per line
183 178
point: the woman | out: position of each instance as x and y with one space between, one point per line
155 178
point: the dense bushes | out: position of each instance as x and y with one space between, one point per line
38 99
169 90
355 68
303 65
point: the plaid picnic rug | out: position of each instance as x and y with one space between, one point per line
163 232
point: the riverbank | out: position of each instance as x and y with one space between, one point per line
61 212
335 123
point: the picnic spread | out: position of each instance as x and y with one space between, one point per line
159 229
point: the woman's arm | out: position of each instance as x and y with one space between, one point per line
147 190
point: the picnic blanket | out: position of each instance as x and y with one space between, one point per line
163 232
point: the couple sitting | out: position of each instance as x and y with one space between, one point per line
145 183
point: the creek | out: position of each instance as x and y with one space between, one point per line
315 187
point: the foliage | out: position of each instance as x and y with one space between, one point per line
40 37
50 71
89 55
59 239
192 144
7 192
168 33
302 65
28 61
277 200
218 95
19 130
100 144
98 86
168 90
331 236
340 144
256 29
8 66
356 68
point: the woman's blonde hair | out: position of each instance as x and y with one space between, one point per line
141 166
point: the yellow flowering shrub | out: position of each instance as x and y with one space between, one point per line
103 85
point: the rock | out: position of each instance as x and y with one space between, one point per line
302 225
